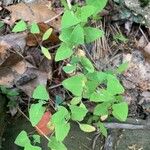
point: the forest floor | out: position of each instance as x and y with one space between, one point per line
23 67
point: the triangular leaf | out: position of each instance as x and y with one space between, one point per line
41 93
63 52
36 112
120 111
75 84
34 28
78 112
101 96
61 131
69 19
22 139
85 12
98 4
20 26
113 85
102 109
56 145
91 34
77 35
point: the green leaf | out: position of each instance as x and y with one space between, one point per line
63 52
75 100
77 35
86 63
123 67
98 4
78 112
47 34
61 131
91 34
36 138
85 12
99 77
102 129
102 109
46 52
101 96
31 147
34 28
69 19
20 26
36 112
75 84
90 87
113 85
69 68
66 34
56 145
22 139
61 116
12 93
120 37
1 24
41 93
87 128
120 111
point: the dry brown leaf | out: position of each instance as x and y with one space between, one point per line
34 12
15 70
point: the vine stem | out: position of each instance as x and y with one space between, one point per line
69 4
29 121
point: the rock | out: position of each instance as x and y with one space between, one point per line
135 6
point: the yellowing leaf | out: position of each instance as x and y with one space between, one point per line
46 52
87 128
47 34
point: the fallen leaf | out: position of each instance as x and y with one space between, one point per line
34 12
43 124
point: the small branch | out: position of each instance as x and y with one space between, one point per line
69 4
123 126
47 21
29 121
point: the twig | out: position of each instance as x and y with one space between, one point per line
69 4
144 35
54 86
29 121
47 21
